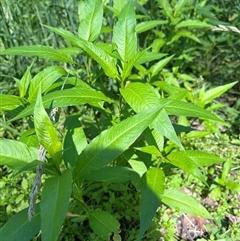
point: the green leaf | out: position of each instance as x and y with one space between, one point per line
9 102
155 179
75 140
166 7
147 25
54 204
179 7
18 226
44 52
103 224
142 97
213 93
98 54
203 159
184 33
69 97
151 193
46 133
29 167
181 160
193 23
16 154
150 150
149 56
112 142
124 35
24 82
160 65
90 16
184 203
43 80
138 166
181 108
112 174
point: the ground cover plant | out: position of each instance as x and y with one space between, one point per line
108 129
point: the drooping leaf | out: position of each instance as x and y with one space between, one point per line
103 224
43 80
54 204
112 174
124 35
147 25
193 23
9 102
46 133
152 190
181 108
181 160
69 97
90 16
184 203
112 142
203 159
15 154
44 52
142 97
184 33
98 54
19 227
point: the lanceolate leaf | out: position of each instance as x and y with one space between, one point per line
98 54
160 65
203 159
193 23
69 97
142 97
184 203
147 25
39 51
124 35
181 108
103 224
112 142
181 160
54 204
91 15
45 131
9 102
18 227
15 154
152 190
43 80
24 82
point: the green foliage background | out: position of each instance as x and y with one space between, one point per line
187 66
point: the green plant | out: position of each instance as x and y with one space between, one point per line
88 135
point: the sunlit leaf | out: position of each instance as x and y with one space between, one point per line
15 154
114 141
44 52
184 203
124 35
90 16
9 102
46 133
43 80
104 59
